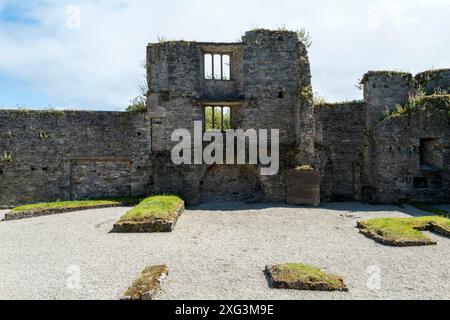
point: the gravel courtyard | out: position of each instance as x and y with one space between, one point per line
218 251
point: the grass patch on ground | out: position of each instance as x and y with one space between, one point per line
154 208
148 283
404 231
78 204
304 277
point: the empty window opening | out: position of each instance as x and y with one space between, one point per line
217 66
420 183
217 118
281 94
430 155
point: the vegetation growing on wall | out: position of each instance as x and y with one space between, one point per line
423 77
139 103
6 157
420 101
319 99
304 37
305 167
306 93
386 73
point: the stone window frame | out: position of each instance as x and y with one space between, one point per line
213 71
222 49
223 104
222 107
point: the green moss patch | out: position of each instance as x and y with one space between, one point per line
49 208
298 276
154 214
404 232
147 284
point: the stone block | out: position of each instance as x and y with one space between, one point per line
150 225
303 187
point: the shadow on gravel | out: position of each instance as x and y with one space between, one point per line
348 207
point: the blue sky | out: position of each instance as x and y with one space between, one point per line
47 62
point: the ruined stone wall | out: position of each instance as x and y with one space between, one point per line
260 97
53 155
361 154
434 81
400 175
383 90
339 143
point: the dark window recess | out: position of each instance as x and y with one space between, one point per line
217 118
281 95
45 169
1 172
33 168
420 183
430 155
217 66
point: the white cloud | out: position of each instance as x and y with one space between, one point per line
99 65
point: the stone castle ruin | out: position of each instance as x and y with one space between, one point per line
370 150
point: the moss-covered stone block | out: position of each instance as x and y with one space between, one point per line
297 276
148 284
154 214
404 232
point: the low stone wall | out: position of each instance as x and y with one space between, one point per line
64 155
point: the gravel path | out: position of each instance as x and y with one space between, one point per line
217 251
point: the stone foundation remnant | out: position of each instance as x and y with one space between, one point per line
150 225
148 284
303 277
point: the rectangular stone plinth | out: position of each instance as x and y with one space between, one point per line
303 187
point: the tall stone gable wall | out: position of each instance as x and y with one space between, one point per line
260 97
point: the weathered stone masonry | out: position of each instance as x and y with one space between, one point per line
361 155
365 156
73 155
268 70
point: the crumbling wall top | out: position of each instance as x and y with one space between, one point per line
386 74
